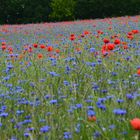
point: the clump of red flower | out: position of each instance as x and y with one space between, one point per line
138 72
135 123
92 118
72 37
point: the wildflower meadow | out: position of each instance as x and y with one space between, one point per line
76 80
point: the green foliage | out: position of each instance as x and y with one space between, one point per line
32 11
24 11
106 8
62 9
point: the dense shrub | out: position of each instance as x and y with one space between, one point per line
32 11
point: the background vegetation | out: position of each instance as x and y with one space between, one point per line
32 11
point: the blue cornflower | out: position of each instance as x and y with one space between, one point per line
99 61
12 120
120 100
138 67
79 105
88 100
67 69
3 108
19 112
42 120
42 80
4 114
92 64
129 96
133 83
9 85
70 111
6 78
67 135
32 84
138 103
48 113
101 100
111 127
114 74
110 97
90 107
73 107
0 124
27 121
13 138
53 101
95 87
124 133
66 83
53 73
30 129
10 66
77 129
91 113
48 96
63 96
97 134
104 91
92 50
45 129
119 111
26 134
28 117
101 106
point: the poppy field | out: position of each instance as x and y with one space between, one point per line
75 80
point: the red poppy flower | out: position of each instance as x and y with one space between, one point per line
72 38
82 35
125 47
30 50
10 49
138 72
130 37
110 46
20 56
104 52
3 43
78 49
117 42
72 35
40 56
135 123
97 36
42 46
86 32
35 45
130 33
92 118
106 40
50 48
135 31
57 51
104 47
3 47
100 32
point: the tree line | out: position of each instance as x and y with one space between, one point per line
35 11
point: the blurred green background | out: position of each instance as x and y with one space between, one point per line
36 11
